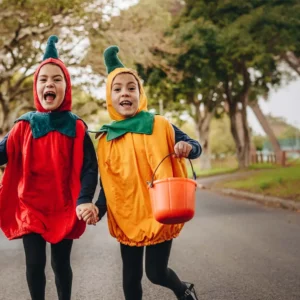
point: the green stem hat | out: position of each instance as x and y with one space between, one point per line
111 59
51 51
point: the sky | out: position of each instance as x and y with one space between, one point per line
283 102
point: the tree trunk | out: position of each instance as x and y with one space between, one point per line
202 120
240 132
268 130
239 124
4 116
238 117
203 126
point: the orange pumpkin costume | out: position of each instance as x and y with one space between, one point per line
126 163
129 150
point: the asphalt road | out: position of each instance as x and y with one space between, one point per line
232 249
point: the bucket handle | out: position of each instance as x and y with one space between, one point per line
150 183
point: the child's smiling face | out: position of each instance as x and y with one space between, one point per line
125 94
51 87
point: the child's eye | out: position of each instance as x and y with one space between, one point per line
116 89
42 79
57 80
132 88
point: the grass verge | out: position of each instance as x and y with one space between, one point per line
279 182
212 172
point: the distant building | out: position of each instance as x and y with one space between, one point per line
291 146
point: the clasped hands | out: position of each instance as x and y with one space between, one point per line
88 212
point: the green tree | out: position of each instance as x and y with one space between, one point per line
24 29
137 31
276 25
220 55
145 45
219 36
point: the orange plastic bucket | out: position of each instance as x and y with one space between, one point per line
173 199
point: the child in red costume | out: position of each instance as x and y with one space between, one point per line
50 177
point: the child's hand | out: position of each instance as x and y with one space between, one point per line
91 220
182 149
102 211
88 212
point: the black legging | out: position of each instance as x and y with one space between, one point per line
35 255
157 271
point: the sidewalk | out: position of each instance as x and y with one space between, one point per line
208 183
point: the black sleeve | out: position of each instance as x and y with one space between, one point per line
101 202
181 136
89 172
3 153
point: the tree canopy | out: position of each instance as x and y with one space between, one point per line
24 27
204 58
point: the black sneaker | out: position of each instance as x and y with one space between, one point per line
190 293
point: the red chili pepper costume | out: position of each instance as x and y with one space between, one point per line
41 182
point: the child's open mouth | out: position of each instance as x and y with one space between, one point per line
49 96
125 103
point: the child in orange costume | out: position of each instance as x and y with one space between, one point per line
50 176
129 150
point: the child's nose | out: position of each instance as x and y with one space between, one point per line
49 83
125 92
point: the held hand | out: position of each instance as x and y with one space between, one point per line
87 210
182 149
91 220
